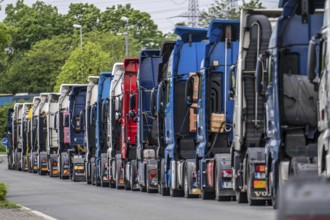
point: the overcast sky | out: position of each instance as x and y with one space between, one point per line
161 11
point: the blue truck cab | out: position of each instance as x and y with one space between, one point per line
102 117
291 99
209 96
76 150
63 129
179 136
147 79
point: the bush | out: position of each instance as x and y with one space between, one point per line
3 192
2 148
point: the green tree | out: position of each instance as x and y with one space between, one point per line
3 122
140 25
223 9
86 15
253 4
83 62
32 24
36 70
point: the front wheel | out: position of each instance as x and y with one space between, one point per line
176 192
241 197
162 189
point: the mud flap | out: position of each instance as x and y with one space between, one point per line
223 167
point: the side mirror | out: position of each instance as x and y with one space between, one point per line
117 104
55 121
117 115
160 96
77 124
189 91
132 101
81 120
153 99
232 82
259 72
311 59
192 85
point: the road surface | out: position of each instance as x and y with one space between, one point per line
63 199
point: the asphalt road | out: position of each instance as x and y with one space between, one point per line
63 199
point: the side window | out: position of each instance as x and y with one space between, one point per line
324 57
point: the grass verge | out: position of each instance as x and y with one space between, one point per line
3 198
6 204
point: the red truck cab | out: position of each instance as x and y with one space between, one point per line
129 105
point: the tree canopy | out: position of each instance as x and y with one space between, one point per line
37 43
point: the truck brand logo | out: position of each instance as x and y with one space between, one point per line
261 193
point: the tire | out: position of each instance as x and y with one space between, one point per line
186 186
205 195
162 190
142 188
112 181
132 176
176 192
92 174
117 177
88 173
241 197
274 195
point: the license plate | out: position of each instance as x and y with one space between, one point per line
44 169
55 171
227 185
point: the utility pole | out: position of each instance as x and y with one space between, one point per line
193 13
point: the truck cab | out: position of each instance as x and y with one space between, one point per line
17 136
25 136
208 96
157 110
249 132
147 143
179 134
113 152
319 70
42 157
102 117
90 116
63 131
76 150
291 99
33 154
52 137
126 163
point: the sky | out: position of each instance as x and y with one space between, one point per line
163 12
